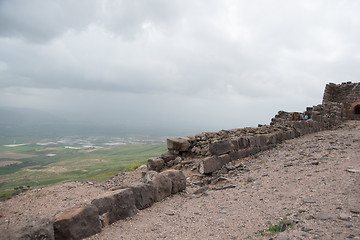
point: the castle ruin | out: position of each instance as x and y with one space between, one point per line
346 93
211 151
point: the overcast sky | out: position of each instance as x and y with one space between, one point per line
203 64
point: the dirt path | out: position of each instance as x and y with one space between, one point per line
310 183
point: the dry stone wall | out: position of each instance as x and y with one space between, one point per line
208 152
88 219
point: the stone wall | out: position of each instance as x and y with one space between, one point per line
208 152
346 93
90 218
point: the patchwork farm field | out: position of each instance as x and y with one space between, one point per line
35 164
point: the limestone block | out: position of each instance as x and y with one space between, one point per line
77 223
221 147
155 164
181 144
178 180
162 184
144 195
116 206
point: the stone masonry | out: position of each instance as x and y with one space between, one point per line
208 152
346 93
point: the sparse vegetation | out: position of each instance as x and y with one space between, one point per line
249 180
134 166
274 229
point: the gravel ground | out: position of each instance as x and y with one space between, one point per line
309 186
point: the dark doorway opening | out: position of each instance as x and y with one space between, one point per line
357 109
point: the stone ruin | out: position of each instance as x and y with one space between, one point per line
346 93
205 153
209 152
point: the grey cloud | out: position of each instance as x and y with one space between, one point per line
40 21
170 59
129 18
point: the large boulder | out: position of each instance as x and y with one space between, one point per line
77 223
221 147
161 183
181 144
155 164
34 228
115 206
144 195
178 180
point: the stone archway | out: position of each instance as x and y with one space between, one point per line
354 111
357 109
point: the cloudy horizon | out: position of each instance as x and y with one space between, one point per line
204 65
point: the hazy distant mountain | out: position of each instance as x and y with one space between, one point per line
23 116
16 122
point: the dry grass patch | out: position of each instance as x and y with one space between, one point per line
7 163
50 169
10 155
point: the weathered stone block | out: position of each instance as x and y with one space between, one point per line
251 140
34 228
235 143
144 195
221 147
242 153
224 159
161 183
116 206
243 142
272 139
235 155
260 140
209 165
77 223
254 150
178 180
279 136
214 163
155 164
178 144
168 156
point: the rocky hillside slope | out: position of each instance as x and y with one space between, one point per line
304 188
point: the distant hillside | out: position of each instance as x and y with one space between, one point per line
15 116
